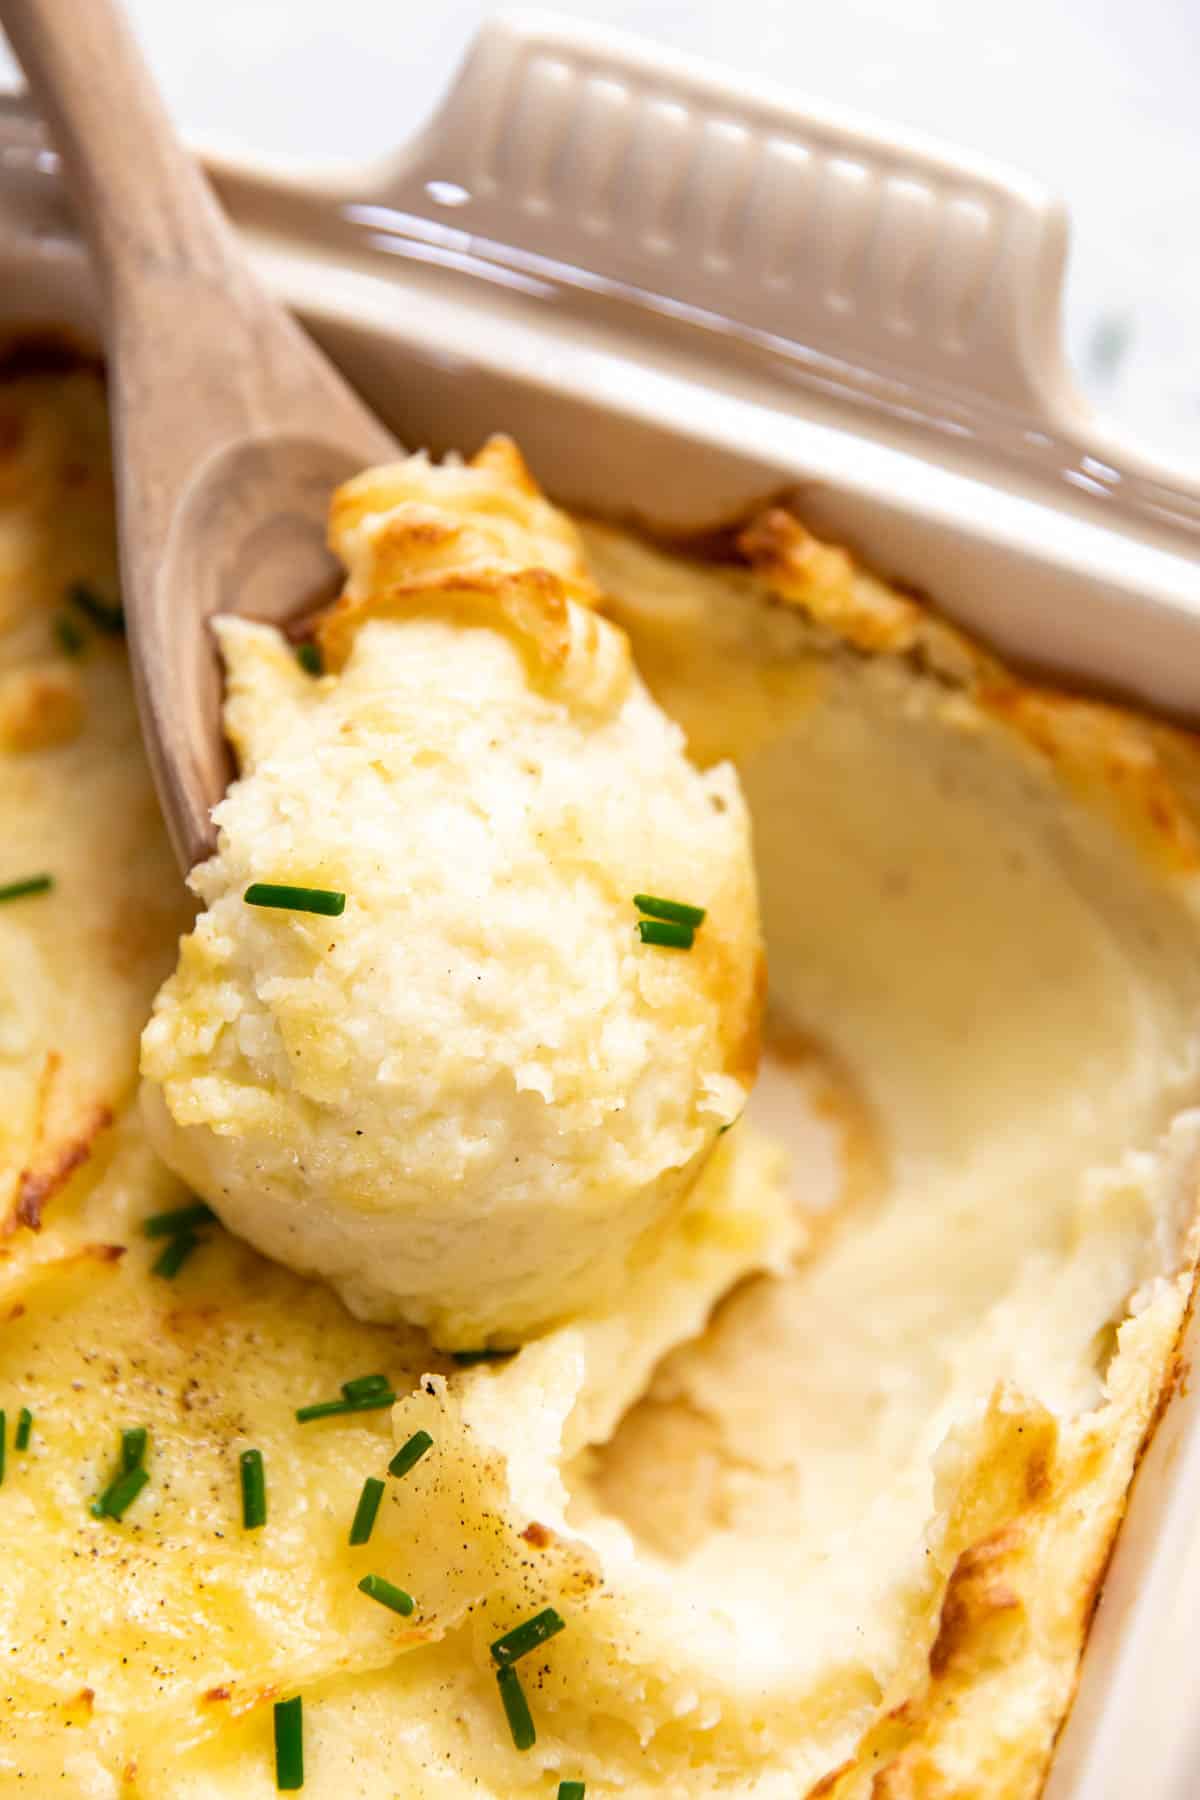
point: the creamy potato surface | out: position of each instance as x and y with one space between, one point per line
841 1538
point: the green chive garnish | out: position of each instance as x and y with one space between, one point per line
120 1494
133 1449
516 1707
103 614
295 899
677 910
408 1455
172 1259
362 1385
32 884
3 1431
669 936
289 1745
69 637
183 1218
310 659
467 1359
386 1593
130 1478
365 1511
328 1409
24 1427
254 1489
523 1638
571 1790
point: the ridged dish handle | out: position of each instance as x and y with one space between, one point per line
649 171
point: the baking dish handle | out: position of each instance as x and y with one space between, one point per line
649 171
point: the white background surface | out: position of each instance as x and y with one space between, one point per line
1100 101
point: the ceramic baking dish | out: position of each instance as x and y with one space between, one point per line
667 285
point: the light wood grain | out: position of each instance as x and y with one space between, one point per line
230 428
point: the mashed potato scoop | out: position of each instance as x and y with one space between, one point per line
477 1096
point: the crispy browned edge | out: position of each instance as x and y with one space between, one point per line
717 542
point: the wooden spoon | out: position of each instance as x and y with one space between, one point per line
230 429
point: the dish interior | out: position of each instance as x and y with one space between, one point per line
857 1524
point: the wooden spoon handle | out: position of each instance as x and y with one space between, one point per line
177 291
142 201
230 429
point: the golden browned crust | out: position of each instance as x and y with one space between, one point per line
1129 766
502 458
51 1165
825 581
1111 757
994 1633
37 1186
489 514
479 545
978 1603
531 604
40 707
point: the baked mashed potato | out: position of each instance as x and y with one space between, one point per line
841 1538
475 1097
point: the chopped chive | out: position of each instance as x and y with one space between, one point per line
408 1455
177 1251
362 1385
386 1593
466 1359
32 884
678 910
523 1638
365 1511
120 1494
130 1478
3 1431
103 614
328 1409
289 1745
183 1218
133 1448
254 1489
516 1708
666 934
70 638
310 659
571 1790
24 1427
295 899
